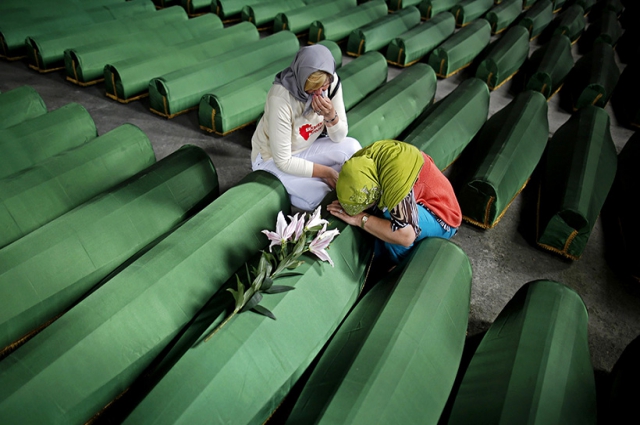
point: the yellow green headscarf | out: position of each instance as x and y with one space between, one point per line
381 173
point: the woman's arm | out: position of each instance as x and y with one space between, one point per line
335 116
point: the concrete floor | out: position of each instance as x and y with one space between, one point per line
502 258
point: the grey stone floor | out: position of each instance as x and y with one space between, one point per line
502 258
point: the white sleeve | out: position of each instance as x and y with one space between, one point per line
338 132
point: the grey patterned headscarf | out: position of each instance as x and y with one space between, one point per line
308 60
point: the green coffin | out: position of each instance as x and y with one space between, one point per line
593 78
505 57
395 5
623 396
128 79
395 358
229 10
114 334
579 170
20 104
56 185
606 29
467 11
411 46
196 7
379 33
571 23
241 101
338 26
626 96
243 373
264 13
557 5
431 8
533 364
299 20
46 51
550 65
526 4
362 76
459 50
447 128
50 269
502 15
181 90
502 158
537 18
585 4
30 142
85 65
386 112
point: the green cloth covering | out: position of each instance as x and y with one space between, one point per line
550 65
20 104
626 96
49 270
264 13
395 358
467 11
230 9
243 373
13 38
431 8
411 46
338 26
196 7
459 50
606 29
379 33
537 18
533 364
505 57
362 76
166 3
526 4
114 334
395 5
593 78
585 4
181 90
502 15
615 6
46 51
445 129
299 20
30 142
579 170
624 394
241 101
571 23
386 112
128 79
557 5
56 185
501 159
85 65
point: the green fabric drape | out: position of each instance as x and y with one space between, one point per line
50 269
264 13
395 5
623 395
501 159
431 8
550 65
196 7
585 4
114 334
466 11
502 15
241 101
338 26
409 47
533 364
362 76
605 29
229 10
386 112
459 50
446 129
395 357
24 145
299 20
504 58
54 186
20 104
46 51
181 90
252 362
128 79
571 22
579 170
85 65
557 5
537 18
379 33
526 4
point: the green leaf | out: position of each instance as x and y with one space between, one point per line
268 281
253 302
295 264
276 289
264 311
239 294
299 248
288 274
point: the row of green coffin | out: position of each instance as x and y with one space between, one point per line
20 104
13 36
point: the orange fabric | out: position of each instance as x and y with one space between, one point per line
433 190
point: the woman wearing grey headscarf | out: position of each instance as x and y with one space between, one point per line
304 102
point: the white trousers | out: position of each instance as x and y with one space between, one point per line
308 192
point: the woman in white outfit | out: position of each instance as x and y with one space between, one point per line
302 136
